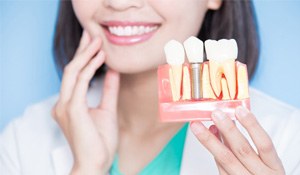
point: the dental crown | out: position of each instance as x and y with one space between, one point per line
194 49
221 50
174 53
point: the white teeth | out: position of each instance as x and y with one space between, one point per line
131 30
127 31
141 30
120 31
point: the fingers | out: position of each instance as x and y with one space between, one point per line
73 69
83 60
85 76
213 129
238 143
221 153
260 138
110 91
84 41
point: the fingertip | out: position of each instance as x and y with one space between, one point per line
218 115
101 55
85 35
197 127
241 111
98 40
113 74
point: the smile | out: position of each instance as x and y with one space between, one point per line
128 33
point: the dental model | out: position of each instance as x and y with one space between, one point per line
175 58
194 50
221 81
222 55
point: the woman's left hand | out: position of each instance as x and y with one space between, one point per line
235 155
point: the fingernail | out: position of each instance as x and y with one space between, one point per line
213 129
197 127
241 111
218 115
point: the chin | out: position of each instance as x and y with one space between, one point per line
130 67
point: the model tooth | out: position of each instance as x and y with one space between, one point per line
225 90
242 80
230 75
228 54
207 90
186 84
194 49
212 50
175 58
215 73
174 53
221 55
228 49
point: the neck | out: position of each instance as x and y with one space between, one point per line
138 100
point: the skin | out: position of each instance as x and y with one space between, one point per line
130 127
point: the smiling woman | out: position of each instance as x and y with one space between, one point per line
110 125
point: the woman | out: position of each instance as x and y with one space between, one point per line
120 134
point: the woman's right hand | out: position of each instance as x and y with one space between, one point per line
92 133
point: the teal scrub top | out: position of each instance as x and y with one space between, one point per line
168 161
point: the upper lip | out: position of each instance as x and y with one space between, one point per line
127 23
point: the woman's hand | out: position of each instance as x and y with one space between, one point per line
92 133
236 156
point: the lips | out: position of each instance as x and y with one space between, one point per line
127 33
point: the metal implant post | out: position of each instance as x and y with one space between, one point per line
196 79
194 51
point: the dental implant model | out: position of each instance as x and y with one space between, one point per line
193 91
194 50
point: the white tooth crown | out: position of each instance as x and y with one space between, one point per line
194 49
221 50
211 48
131 30
228 49
174 53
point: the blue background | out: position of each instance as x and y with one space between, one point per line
28 73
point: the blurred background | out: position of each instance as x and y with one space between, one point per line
28 75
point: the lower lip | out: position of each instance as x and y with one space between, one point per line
128 40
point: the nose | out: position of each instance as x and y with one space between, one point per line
121 5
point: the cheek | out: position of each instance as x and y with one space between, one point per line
182 19
84 11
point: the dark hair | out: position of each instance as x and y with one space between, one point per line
235 19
